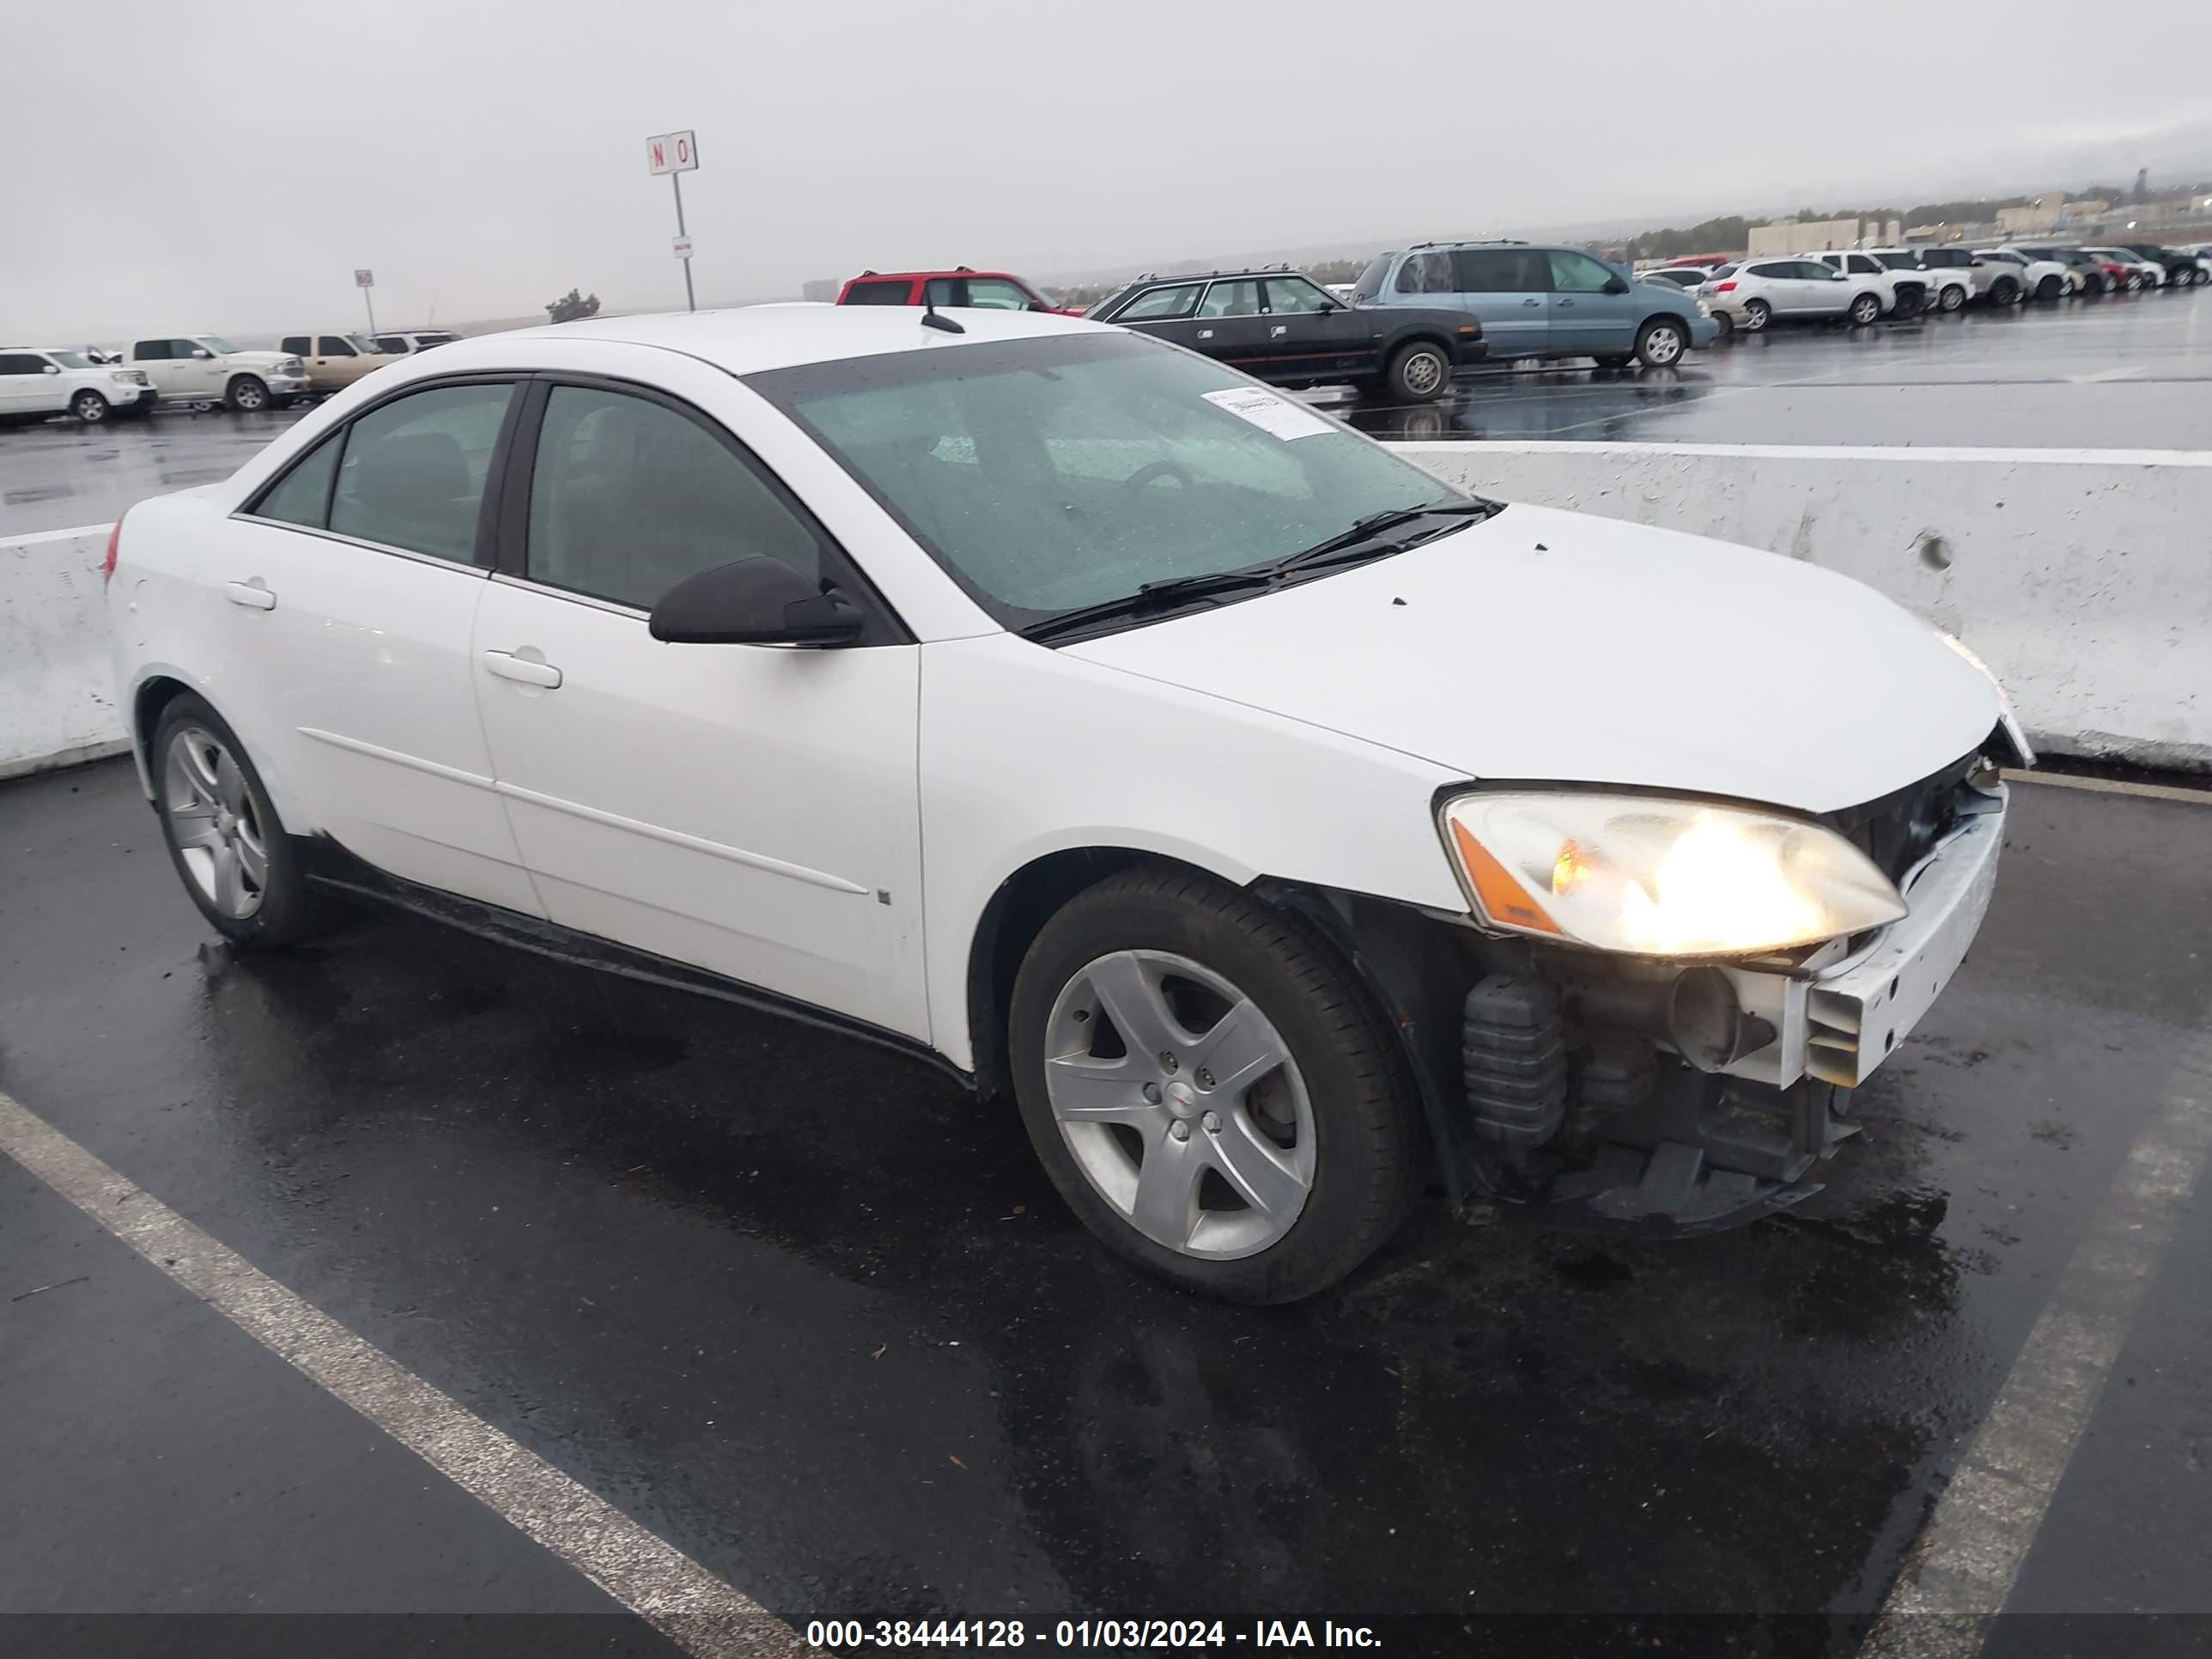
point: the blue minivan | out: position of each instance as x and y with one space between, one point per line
1536 301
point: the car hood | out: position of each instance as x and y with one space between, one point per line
260 359
1554 646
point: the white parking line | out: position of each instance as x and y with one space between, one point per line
1960 1572
2111 786
660 1583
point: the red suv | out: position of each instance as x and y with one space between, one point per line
992 290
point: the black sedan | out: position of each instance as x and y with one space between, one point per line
1287 329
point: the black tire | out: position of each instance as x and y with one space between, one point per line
1952 298
289 908
1611 360
1419 371
1864 310
2051 289
1369 1145
246 394
88 407
1662 342
2004 292
2092 284
1727 325
1757 314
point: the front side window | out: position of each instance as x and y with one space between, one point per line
1578 273
1160 305
1426 273
331 346
413 470
1231 299
295 343
1864 266
628 497
1051 473
392 343
186 350
1296 296
994 293
879 293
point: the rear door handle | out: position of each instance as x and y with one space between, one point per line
1532 302
509 667
250 593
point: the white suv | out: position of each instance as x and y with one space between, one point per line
38 381
206 369
2037 279
1905 292
1758 291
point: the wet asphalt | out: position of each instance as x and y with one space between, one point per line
2133 371
814 1316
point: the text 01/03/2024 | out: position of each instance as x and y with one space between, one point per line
851 1634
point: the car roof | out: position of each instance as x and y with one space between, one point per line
1151 279
747 339
910 275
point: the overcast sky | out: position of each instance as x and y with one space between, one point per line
226 164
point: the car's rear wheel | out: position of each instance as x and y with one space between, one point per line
1660 342
1211 1090
248 393
1420 373
1756 314
90 407
1865 309
248 878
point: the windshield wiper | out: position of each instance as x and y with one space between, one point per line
1373 525
1153 596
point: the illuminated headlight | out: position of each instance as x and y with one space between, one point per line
1646 876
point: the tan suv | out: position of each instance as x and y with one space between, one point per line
336 359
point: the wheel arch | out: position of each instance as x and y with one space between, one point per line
159 687
1416 334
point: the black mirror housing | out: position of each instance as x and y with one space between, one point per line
753 602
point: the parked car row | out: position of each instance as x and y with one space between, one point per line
93 385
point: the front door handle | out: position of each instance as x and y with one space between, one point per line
1566 302
509 667
250 593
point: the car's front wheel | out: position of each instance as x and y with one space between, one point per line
1660 342
2004 292
1211 1089
1953 298
248 393
90 407
248 876
1420 373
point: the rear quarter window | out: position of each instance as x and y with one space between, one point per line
879 293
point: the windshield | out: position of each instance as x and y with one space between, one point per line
1370 279
365 342
71 359
215 342
1053 473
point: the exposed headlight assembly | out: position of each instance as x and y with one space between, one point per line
291 366
1646 876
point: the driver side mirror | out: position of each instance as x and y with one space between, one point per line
756 601
50 369
202 355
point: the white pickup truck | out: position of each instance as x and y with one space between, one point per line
1904 293
206 369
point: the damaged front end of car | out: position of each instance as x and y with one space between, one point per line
1651 1017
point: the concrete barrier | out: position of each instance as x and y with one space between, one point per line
56 692
2082 577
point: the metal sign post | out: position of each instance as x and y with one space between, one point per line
366 282
677 154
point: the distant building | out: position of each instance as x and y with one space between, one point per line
821 292
1821 235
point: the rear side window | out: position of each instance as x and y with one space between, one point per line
1161 304
878 294
628 497
23 364
1503 271
1427 273
304 496
151 351
413 470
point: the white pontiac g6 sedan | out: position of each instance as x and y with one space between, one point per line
1279 829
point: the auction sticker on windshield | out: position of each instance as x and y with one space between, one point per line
1268 411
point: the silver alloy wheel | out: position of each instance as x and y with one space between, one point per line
90 408
1865 309
1953 297
1424 372
1663 346
1202 1140
1755 313
210 814
249 394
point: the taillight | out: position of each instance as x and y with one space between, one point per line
108 564
1724 288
